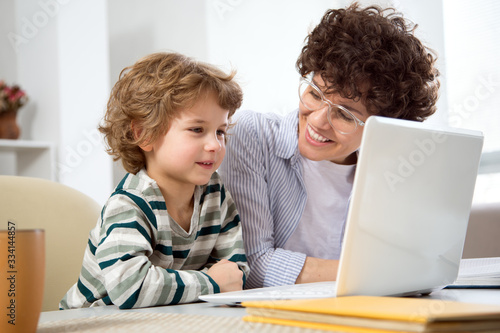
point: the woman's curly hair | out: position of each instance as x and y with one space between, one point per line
371 54
150 93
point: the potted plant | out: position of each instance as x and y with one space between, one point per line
11 99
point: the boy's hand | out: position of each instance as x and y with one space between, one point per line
227 275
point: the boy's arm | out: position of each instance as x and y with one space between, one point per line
229 244
123 252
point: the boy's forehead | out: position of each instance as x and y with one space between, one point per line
204 111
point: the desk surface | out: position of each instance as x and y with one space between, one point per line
192 308
480 296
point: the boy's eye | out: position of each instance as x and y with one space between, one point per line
197 130
221 133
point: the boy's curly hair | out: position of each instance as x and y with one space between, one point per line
148 95
371 54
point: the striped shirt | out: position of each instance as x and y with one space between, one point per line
137 256
263 172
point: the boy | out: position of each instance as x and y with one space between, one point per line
170 232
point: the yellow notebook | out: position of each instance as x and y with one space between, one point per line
372 314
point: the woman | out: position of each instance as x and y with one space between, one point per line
291 177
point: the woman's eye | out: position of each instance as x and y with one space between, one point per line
315 95
345 116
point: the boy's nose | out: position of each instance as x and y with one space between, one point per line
213 144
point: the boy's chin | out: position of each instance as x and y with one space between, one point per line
202 181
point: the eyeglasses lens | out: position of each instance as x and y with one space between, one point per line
312 99
341 120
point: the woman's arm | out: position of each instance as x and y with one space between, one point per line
317 269
244 172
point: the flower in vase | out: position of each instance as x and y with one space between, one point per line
11 97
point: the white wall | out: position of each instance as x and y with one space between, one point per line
138 28
62 62
82 50
35 43
262 40
8 58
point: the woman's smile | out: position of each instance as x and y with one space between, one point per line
314 137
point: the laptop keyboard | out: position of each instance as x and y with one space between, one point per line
307 290
296 291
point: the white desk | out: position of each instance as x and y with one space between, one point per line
193 308
480 296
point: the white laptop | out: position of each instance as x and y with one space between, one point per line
407 217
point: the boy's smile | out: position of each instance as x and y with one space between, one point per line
206 165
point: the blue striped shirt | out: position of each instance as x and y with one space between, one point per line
263 172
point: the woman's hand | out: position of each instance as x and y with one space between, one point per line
227 275
316 270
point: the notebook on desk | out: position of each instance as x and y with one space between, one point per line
407 218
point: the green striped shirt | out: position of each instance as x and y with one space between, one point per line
137 256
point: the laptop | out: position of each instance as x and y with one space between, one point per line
407 217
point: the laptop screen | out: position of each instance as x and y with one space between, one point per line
409 209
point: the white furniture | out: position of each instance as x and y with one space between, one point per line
27 158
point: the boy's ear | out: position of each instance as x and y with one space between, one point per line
137 130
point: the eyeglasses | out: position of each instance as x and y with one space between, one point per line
341 119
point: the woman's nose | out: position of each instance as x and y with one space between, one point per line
319 118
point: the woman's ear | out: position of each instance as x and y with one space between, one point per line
137 131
